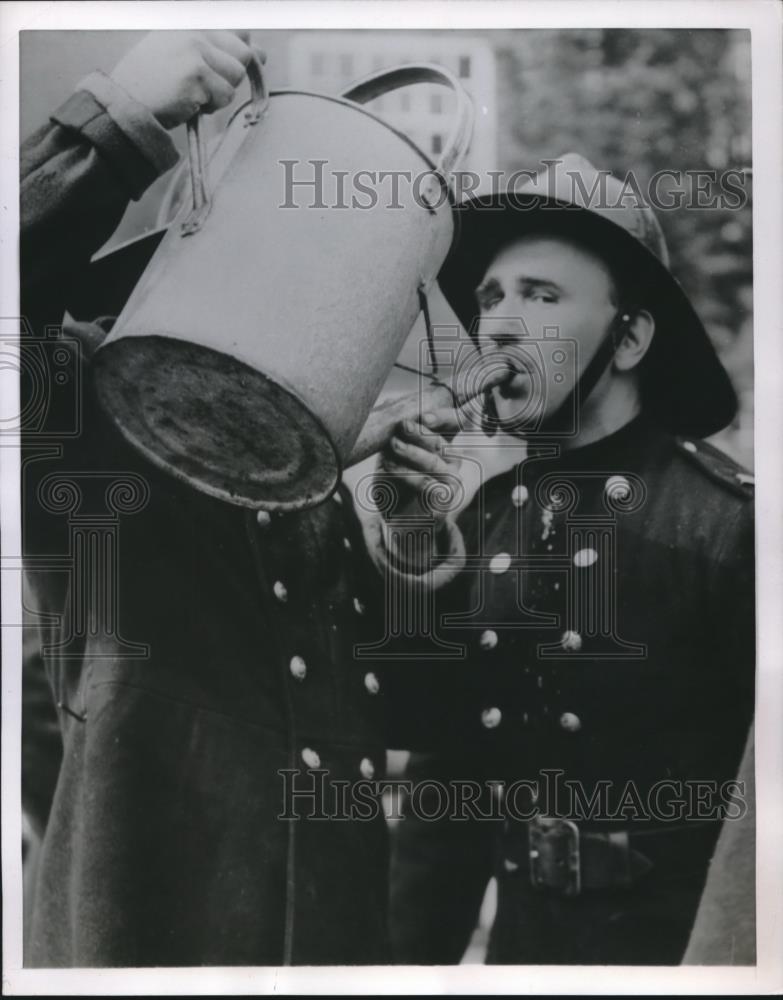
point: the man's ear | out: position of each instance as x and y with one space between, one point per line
635 340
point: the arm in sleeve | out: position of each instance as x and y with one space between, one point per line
79 171
387 543
733 627
407 551
42 747
724 932
98 151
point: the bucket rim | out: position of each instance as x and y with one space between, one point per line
203 485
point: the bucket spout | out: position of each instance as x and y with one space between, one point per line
386 416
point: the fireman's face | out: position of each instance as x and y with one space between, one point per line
545 305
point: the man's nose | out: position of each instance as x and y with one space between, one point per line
503 331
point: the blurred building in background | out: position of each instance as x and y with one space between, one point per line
329 61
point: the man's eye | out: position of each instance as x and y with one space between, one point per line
486 304
539 295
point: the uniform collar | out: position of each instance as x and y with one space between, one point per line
629 446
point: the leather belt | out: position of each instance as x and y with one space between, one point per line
567 860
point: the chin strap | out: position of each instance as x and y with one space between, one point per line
563 416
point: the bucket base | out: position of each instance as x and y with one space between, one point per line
216 423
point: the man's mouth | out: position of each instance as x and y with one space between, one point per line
518 383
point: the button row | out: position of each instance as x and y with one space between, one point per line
501 561
492 717
617 487
571 641
298 669
313 760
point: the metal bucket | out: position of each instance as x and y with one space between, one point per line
252 349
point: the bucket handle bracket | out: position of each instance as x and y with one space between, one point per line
202 199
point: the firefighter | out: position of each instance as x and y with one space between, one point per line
599 596
196 650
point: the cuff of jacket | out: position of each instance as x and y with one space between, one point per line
124 131
450 563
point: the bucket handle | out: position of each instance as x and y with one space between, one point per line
403 76
202 200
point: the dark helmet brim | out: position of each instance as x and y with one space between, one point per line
684 385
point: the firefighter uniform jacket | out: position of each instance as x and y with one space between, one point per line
195 650
602 636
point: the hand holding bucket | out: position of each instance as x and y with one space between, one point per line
256 342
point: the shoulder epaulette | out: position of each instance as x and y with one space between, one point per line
719 466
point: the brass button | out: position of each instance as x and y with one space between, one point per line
490 718
372 683
358 606
499 563
311 758
690 446
489 639
571 641
298 668
347 544
519 495
280 590
263 517
585 558
367 768
336 497
570 722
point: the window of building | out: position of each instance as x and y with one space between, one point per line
346 64
437 144
436 104
317 63
464 67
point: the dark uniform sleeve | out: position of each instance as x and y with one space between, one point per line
42 746
724 932
78 174
733 592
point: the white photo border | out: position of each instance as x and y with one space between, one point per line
764 18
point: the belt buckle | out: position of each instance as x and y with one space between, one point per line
554 855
